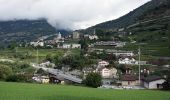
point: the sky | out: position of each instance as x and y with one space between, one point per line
67 14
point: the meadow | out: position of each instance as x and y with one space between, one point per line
25 91
32 54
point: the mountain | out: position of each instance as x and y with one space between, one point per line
24 30
148 25
138 15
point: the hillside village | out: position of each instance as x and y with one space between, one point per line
118 68
134 54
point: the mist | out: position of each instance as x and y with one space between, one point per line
67 14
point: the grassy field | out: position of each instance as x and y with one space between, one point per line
22 91
9 54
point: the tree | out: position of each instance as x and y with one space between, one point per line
49 57
166 84
93 80
84 45
56 59
122 68
12 45
5 71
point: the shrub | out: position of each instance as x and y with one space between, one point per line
19 78
93 80
5 71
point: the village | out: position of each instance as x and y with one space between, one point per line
84 49
127 72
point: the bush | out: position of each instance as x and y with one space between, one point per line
166 85
19 78
93 80
5 71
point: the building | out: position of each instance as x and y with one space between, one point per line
59 35
124 53
108 73
66 46
76 35
103 63
128 61
93 37
38 43
76 46
153 82
129 80
41 79
120 53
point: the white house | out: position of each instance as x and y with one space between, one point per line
153 82
92 37
66 46
38 43
76 46
108 73
103 63
127 61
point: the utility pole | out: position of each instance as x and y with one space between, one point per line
139 52
37 56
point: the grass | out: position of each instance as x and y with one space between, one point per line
23 91
9 54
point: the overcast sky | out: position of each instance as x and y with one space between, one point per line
67 14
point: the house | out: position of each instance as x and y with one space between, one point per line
38 43
128 61
103 63
108 73
41 79
76 45
66 46
129 80
131 61
93 37
153 82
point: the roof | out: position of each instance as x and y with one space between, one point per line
128 77
152 78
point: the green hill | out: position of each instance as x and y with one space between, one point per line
135 15
24 30
149 25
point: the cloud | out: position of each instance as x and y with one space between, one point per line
67 14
